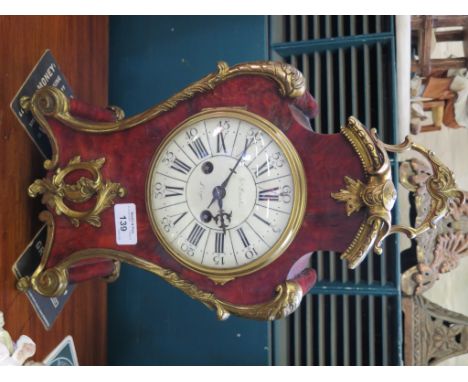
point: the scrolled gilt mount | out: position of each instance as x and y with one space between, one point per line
257 106
378 195
56 191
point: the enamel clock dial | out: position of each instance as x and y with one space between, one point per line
226 193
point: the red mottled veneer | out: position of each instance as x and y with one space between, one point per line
327 160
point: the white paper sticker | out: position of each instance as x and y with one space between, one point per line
125 224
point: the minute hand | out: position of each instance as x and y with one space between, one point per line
247 145
222 187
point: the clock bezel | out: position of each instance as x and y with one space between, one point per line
222 275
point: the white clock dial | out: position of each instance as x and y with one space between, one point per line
224 192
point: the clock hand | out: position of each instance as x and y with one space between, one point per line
222 217
219 192
212 201
221 213
247 145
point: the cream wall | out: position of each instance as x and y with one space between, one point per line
451 146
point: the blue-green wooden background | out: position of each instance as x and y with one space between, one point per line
150 322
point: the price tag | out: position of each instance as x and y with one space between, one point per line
125 224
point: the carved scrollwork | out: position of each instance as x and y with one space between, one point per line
47 101
449 249
379 194
290 81
53 281
287 300
365 146
438 250
459 209
56 191
351 195
358 195
441 187
50 101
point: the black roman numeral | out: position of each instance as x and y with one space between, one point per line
180 166
198 148
270 194
173 191
262 220
196 234
243 238
219 242
220 142
265 167
179 218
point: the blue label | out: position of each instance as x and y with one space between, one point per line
45 73
47 308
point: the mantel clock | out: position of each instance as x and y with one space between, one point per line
223 190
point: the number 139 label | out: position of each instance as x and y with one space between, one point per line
125 224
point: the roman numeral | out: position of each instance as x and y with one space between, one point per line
243 238
270 194
265 167
196 234
179 218
220 142
180 166
198 148
262 220
219 242
173 191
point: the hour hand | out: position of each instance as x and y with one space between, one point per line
219 193
212 201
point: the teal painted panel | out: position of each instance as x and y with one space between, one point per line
286 49
151 322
